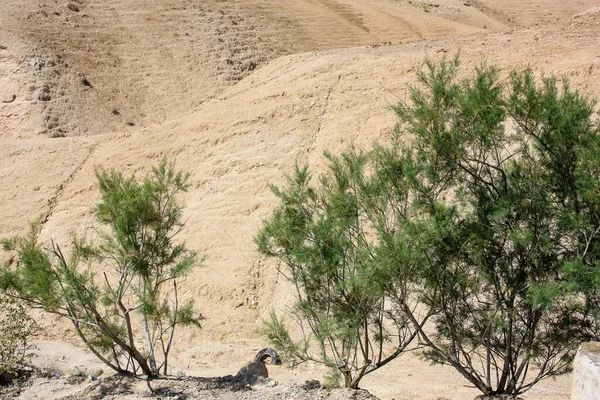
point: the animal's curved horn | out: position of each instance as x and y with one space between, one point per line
268 353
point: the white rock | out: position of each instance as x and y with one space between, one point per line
586 372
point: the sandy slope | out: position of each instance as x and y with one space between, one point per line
145 61
218 87
527 13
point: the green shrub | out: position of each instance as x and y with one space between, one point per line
332 379
484 209
123 290
16 330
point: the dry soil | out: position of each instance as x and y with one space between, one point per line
236 92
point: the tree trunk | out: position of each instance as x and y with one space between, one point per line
95 352
347 377
149 346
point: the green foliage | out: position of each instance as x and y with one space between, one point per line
16 329
136 259
279 337
327 237
504 190
332 379
485 227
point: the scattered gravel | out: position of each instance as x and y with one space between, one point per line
117 387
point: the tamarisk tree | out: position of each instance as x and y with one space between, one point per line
122 290
476 229
505 188
327 236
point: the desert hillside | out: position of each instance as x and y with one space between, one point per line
100 67
235 92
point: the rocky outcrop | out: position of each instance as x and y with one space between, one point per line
586 372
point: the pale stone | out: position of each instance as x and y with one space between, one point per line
586 372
